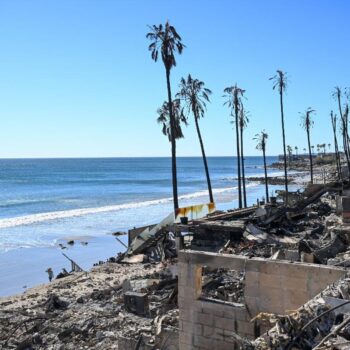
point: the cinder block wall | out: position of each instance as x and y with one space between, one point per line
270 286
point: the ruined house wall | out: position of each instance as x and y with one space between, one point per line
270 286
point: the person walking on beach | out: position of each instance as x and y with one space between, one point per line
50 273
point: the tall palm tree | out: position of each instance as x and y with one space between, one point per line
166 41
280 83
164 119
234 96
307 124
195 95
243 122
313 149
296 150
304 149
261 139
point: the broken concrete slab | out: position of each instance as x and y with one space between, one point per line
136 303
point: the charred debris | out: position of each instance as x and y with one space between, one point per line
312 228
139 310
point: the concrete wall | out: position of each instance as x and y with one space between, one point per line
270 286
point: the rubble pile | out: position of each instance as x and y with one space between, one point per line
321 323
88 310
223 284
314 234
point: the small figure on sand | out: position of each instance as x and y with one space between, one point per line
50 273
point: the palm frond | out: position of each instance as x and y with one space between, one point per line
193 93
167 41
164 119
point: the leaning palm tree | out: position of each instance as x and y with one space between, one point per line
164 119
234 94
307 124
167 42
243 122
195 96
280 83
261 139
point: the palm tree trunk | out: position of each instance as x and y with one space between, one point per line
337 161
346 150
173 144
347 138
243 172
337 157
238 161
265 169
211 198
345 135
310 156
284 150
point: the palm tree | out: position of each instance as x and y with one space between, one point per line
329 147
164 119
307 124
243 122
261 138
234 98
195 95
304 149
313 149
166 41
296 150
280 83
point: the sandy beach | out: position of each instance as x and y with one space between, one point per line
25 267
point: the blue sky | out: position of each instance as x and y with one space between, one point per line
77 80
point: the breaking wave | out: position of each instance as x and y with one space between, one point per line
63 214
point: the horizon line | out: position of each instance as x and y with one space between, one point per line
118 157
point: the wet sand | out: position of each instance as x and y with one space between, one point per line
25 267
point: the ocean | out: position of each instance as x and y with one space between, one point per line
44 202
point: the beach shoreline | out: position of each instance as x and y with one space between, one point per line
24 268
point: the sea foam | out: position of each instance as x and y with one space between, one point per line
63 214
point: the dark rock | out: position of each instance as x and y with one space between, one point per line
69 332
25 345
55 303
